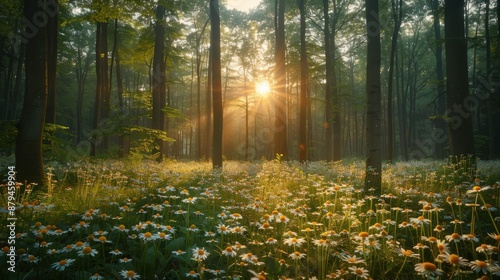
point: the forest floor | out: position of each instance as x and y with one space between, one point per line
263 220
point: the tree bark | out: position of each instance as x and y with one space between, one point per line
280 130
461 137
29 161
217 85
303 85
159 77
373 174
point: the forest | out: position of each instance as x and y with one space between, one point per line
337 138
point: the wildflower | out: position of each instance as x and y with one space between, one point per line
477 189
485 248
121 228
453 237
420 246
293 241
178 252
87 251
455 259
236 216
352 260
96 276
31 259
363 234
222 229
255 261
62 264
265 226
320 242
488 207
238 230
271 241
494 236
192 273
129 274
116 252
193 228
147 236
190 200
442 246
229 252
408 253
296 255
162 236
125 260
200 254
479 266
427 269
360 272
470 237
247 257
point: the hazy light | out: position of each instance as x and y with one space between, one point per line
262 88
242 5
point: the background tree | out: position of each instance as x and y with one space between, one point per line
280 127
29 160
216 83
461 134
373 174
303 84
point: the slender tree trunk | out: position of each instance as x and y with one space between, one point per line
328 87
29 161
440 123
303 85
217 84
17 84
373 175
101 102
457 83
159 83
53 26
397 13
208 108
280 130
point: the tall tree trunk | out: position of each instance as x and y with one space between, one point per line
53 26
208 108
280 131
81 77
328 87
122 141
217 84
101 102
159 83
29 161
303 85
461 137
440 123
397 13
373 174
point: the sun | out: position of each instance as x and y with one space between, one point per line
263 88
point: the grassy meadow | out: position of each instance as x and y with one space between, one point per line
262 220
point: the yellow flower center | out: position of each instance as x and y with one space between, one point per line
429 266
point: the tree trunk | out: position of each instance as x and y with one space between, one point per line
397 13
440 123
17 84
373 174
159 83
280 132
217 84
101 102
328 86
461 137
29 161
53 26
303 85
208 108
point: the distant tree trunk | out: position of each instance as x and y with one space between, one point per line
208 108
159 83
29 161
397 13
328 87
373 174
217 84
81 77
122 141
101 103
440 123
303 85
280 132
461 136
